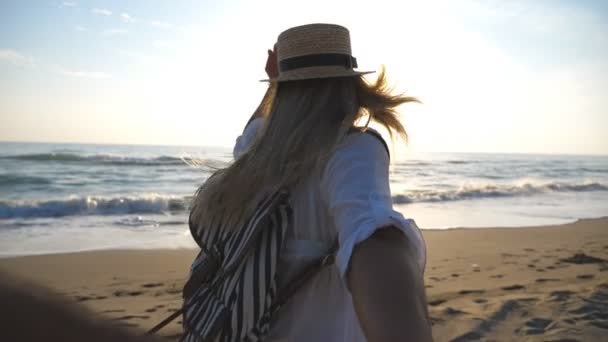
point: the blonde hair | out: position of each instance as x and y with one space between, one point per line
306 119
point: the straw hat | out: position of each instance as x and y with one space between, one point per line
315 51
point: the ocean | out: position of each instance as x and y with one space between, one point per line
74 197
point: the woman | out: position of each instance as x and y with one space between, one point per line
302 138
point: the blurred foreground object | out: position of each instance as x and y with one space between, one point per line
32 313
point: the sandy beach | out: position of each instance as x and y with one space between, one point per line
539 283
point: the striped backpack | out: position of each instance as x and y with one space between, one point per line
232 292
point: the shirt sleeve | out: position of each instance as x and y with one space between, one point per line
246 139
356 189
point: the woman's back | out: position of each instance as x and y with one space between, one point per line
348 200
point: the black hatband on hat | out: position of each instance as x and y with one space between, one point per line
321 59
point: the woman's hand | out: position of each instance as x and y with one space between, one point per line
272 69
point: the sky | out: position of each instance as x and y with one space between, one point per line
492 76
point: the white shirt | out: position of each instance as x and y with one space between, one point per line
350 199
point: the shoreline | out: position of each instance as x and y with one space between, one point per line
534 283
458 228
548 226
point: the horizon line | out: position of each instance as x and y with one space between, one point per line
229 147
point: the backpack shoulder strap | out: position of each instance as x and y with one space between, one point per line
304 276
373 133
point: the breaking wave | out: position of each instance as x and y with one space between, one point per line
493 191
97 159
154 204
161 204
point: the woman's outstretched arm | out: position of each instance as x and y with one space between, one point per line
388 289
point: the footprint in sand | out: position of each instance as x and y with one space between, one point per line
113 311
455 275
585 276
513 287
123 293
497 276
151 310
544 280
151 285
480 300
560 296
466 292
593 309
582 258
536 326
436 302
470 336
436 320
83 298
529 250
171 291
128 317
453 312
